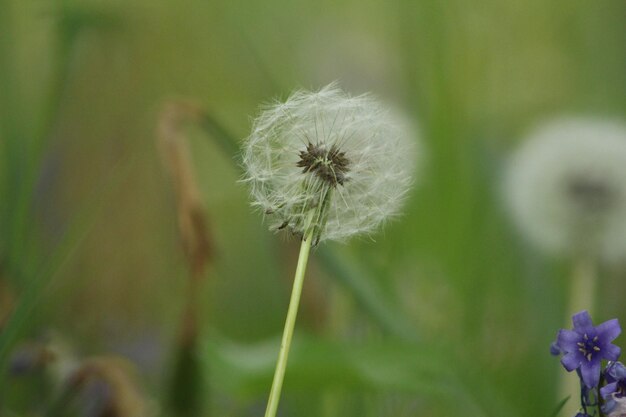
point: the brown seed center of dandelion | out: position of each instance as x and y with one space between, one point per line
330 165
591 195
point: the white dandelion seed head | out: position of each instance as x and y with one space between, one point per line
326 148
566 188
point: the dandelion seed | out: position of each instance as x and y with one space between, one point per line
566 188
328 162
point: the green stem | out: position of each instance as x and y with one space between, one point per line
277 383
581 297
582 292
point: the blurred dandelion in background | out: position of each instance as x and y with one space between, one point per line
359 59
566 188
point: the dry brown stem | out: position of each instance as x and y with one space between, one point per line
192 221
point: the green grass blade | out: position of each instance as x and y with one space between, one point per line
366 295
560 406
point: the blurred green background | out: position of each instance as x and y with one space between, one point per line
446 311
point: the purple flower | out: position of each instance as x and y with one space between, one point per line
615 374
586 345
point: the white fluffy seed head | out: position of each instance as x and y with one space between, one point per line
324 160
566 188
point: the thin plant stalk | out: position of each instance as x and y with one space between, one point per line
581 297
187 380
582 292
281 364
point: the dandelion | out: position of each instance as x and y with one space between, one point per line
325 166
566 188
328 162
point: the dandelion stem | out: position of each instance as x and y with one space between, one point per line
581 297
582 291
285 344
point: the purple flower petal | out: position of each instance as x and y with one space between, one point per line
608 331
617 370
582 321
591 373
555 349
611 352
567 339
608 389
571 361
